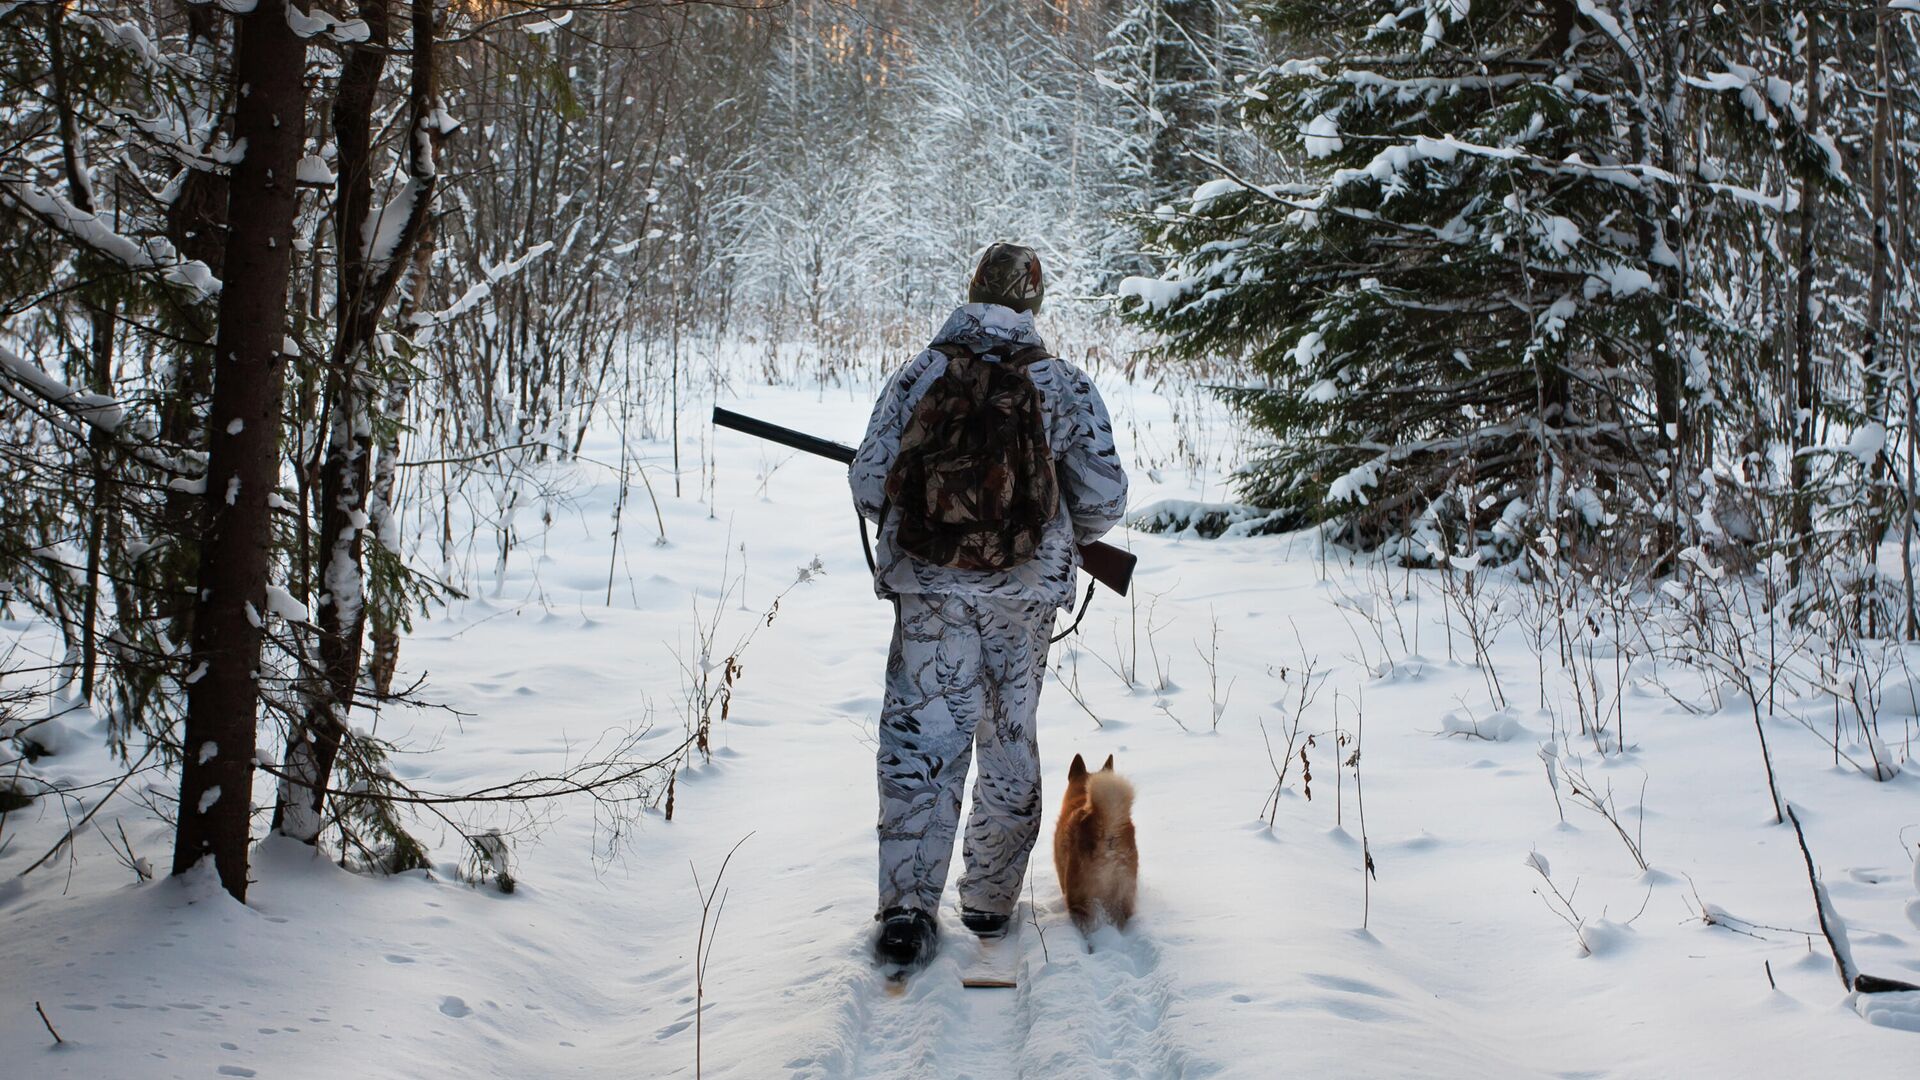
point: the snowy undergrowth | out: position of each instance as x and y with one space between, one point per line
1509 928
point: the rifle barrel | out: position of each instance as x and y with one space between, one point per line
798 440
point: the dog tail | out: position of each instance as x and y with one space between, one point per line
1111 795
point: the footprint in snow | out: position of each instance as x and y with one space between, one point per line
454 1007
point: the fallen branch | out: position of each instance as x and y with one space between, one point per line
1836 930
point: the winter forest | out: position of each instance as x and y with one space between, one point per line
402 675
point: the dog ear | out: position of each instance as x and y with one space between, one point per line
1108 767
1078 769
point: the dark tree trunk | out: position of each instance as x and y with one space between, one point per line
197 225
223 696
1806 401
1873 358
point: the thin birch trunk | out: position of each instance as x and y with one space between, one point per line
367 277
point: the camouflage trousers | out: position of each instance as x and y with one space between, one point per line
964 673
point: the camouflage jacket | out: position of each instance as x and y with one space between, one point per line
1093 486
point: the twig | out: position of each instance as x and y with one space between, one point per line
82 823
703 948
1068 685
57 1040
1571 917
1033 912
1360 800
1842 956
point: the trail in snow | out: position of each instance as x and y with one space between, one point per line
1085 1009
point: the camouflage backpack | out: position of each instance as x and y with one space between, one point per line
973 485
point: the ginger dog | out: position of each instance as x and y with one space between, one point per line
1093 848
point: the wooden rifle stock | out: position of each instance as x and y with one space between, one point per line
1109 565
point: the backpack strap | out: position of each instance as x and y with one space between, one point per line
1027 354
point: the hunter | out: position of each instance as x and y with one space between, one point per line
987 461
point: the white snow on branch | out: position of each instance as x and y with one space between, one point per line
1155 293
100 411
381 234
28 383
313 170
321 24
1322 136
1559 234
1783 203
1394 160
548 26
155 253
127 36
282 603
1204 195
479 290
1352 487
1309 349
1867 441
1622 39
1624 280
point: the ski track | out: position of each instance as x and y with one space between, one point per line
1085 1009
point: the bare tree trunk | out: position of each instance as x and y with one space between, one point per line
223 696
1873 358
384 615
1805 393
366 280
99 373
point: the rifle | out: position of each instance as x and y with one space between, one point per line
1109 565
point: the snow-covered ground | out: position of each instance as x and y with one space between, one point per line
1259 950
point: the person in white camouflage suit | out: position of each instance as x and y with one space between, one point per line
969 647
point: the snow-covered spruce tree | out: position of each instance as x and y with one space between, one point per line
1478 287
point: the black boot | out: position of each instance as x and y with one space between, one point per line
907 937
986 924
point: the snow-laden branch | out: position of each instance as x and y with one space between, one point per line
96 409
153 254
479 290
1622 37
322 25
172 138
27 382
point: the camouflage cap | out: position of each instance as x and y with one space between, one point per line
1008 275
